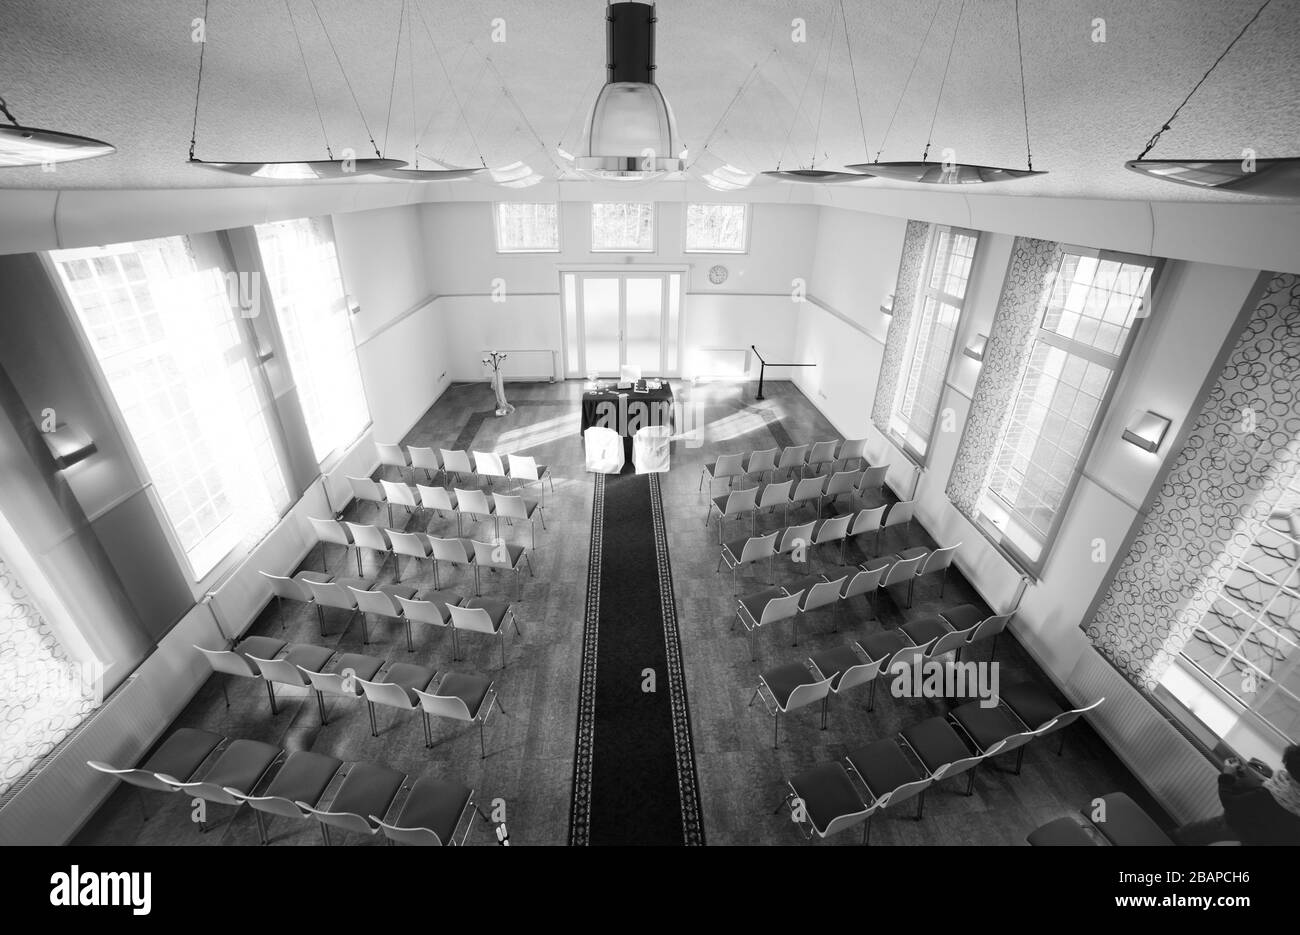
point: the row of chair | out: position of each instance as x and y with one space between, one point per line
497 555
838 670
432 813
770 461
472 503
488 465
809 491
893 770
402 602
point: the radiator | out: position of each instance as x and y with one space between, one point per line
1176 774
721 363
530 364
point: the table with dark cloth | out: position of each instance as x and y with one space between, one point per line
606 408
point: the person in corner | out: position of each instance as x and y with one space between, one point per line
1261 806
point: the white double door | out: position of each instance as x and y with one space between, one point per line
627 319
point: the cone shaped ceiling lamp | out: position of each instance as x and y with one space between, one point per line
31 146
1278 177
949 171
811 174
293 169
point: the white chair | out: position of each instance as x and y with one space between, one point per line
474 504
728 467
809 490
455 551
761 462
396 689
488 464
501 556
411 544
525 471
457 462
484 615
822 453
431 609
343 680
393 456
237 661
462 698
292 588
374 538
788 687
604 450
900 514
382 602
873 480
754 549
427 460
651 447
629 372
363 488
331 530
791 458
737 503
439 499
400 494
337 594
853 449
289 669
513 506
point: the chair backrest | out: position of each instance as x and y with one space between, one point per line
862 582
136 777
904 792
775 494
761 460
347 821
410 836
488 463
398 493
853 448
900 512
859 674
950 641
423 611
414 544
873 478
793 456
654 436
902 570
286 587
376 602
867 520
599 439
451 550
781 608
809 488
732 465
841 482
907 657
367 536
273 804
822 452
834 529
426 458
991 626
522 467
485 553
741 501
938 560
363 488
392 455
444 706
472 501
959 765
435 498
387 693
511 505
476 619
808 694
1069 717
456 460
331 683
794 534
279 670
232 663
331 530
758 548
821 594
211 792
332 594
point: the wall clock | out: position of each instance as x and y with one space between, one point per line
718 274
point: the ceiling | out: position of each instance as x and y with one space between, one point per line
124 71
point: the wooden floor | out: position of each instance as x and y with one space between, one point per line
530 751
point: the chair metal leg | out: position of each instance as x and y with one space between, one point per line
1020 759
409 647
325 833
776 729
866 832
320 703
365 630
320 617
502 634
482 746
358 551
279 609
920 804
753 698
871 704
390 515
270 693
970 783
428 737
374 729
261 826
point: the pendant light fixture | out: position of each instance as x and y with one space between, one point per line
294 169
1248 175
812 174
631 132
952 172
30 146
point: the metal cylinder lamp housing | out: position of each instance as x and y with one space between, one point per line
631 132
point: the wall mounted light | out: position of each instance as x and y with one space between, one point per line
69 445
1146 430
975 350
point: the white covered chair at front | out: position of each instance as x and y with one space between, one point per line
650 449
604 450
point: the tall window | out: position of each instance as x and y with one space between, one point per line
940 298
160 321
1082 339
623 227
1248 643
311 308
527 228
716 228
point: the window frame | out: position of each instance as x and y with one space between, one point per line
686 227
924 292
1001 537
654 228
512 251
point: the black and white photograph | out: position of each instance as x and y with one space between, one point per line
782 423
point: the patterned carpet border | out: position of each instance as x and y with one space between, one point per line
584 744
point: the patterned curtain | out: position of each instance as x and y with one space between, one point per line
900 325
1024 293
1224 483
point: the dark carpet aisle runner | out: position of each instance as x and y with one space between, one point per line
634 779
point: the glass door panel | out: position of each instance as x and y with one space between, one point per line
601 325
643 323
